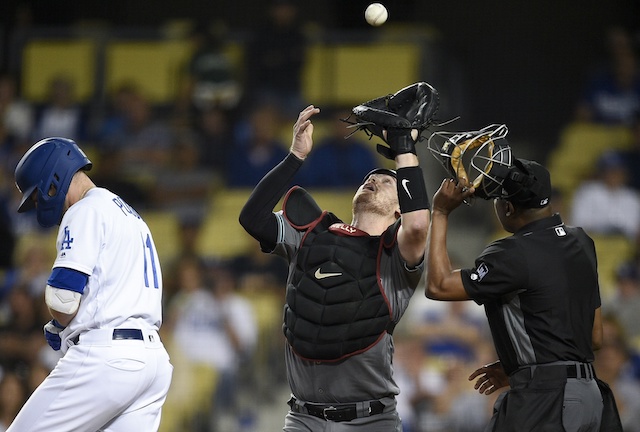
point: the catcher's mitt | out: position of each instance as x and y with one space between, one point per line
413 107
486 154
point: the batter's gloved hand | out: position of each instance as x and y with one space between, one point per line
52 331
411 108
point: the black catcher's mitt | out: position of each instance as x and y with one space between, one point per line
413 107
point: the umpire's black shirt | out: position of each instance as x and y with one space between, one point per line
540 290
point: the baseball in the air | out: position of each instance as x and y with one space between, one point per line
376 14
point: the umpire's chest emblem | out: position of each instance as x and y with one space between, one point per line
480 272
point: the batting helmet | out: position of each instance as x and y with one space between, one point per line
48 167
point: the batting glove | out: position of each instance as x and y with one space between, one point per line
52 331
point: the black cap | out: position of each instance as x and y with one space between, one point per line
528 185
386 171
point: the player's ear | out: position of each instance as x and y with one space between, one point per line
509 208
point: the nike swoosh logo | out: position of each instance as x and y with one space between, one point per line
319 275
405 182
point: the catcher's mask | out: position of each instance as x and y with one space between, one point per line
481 159
47 167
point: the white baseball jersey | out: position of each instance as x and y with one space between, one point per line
105 238
106 383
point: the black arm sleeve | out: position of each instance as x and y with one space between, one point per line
257 217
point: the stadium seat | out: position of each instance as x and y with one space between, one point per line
612 251
348 74
45 59
165 229
579 147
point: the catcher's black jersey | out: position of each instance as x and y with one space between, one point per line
540 291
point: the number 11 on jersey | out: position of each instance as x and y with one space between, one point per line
148 244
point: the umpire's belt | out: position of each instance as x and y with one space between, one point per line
549 371
337 412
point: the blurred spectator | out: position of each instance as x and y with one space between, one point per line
612 95
275 58
259 150
211 80
184 187
612 365
141 150
211 333
215 141
625 303
436 395
33 267
107 175
8 237
21 335
16 114
62 115
440 343
337 161
13 394
261 280
606 204
632 155
114 122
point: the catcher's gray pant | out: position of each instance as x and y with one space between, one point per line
387 421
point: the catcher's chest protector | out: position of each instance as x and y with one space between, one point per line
335 307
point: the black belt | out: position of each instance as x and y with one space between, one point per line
340 413
119 334
574 370
122 334
582 370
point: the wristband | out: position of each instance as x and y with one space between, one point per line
412 192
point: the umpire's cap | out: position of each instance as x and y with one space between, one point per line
528 184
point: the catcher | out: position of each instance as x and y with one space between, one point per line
349 283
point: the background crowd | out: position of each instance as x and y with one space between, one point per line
226 127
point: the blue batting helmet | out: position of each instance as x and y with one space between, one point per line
48 167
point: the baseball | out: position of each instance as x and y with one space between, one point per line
376 14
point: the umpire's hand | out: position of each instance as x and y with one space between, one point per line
491 377
450 195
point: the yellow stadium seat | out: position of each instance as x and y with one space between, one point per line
579 147
612 251
45 59
334 74
165 229
223 237
154 66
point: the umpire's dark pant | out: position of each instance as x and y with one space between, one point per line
561 396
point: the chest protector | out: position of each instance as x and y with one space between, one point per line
335 306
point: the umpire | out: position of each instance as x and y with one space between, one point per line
540 291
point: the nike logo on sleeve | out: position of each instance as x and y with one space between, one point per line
405 182
319 275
